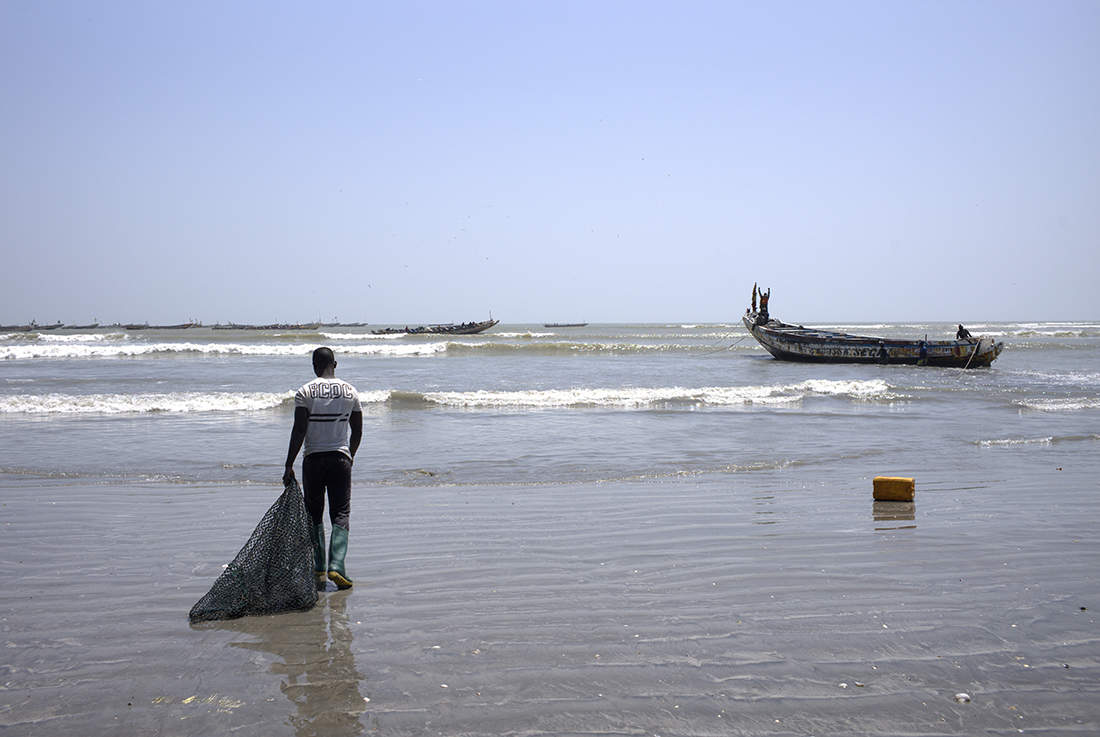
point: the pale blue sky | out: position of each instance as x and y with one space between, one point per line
604 161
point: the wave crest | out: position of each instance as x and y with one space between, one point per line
1065 404
646 397
578 397
130 350
114 404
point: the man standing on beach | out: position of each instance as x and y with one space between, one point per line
325 410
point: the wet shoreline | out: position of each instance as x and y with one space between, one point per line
763 604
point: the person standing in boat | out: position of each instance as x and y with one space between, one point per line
963 334
763 315
326 410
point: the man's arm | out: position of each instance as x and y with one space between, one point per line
297 437
356 423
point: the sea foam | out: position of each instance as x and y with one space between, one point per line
1064 404
129 350
639 397
591 397
113 404
1008 442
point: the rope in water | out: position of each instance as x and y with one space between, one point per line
973 353
719 350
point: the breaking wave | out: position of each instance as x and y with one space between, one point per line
361 336
1064 404
579 398
652 397
1049 440
381 348
129 350
114 404
1015 441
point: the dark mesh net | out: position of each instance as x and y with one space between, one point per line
274 570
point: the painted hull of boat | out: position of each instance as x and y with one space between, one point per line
796 343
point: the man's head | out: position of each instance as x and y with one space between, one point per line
323 360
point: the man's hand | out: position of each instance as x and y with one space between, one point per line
288 475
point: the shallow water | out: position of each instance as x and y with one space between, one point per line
771 604
525 404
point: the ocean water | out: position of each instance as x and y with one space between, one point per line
616 529
525 404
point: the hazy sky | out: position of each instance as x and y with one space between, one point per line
600 161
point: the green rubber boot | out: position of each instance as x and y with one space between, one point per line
317 537
337 549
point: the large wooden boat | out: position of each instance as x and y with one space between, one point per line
465 328
798 343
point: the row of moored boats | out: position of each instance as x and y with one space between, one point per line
782 340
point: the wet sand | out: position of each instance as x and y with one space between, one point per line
753 604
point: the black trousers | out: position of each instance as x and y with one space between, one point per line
329 472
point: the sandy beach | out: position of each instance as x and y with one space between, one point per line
762 604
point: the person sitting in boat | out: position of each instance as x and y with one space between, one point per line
963 334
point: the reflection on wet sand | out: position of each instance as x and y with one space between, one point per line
318 667
894 512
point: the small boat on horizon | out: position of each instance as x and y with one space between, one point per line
564 324
147 326
465 328
271 326
32 326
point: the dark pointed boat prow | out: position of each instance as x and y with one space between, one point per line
797 343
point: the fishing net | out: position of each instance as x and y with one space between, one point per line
274 570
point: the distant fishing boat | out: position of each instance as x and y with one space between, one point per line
797 343
271 326
29 327
147 326
465 328
564 324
